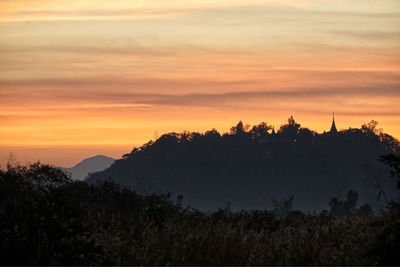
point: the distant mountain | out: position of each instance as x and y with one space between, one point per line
248 167
90 165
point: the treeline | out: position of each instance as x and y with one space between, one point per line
48 219
250 165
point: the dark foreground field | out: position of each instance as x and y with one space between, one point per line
47 219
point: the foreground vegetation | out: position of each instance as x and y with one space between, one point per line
48 219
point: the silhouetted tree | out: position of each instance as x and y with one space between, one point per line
260 132
212 133
39 225
290 130
239 129
371 128
394 162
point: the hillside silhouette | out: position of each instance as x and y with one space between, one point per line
93 164
250 166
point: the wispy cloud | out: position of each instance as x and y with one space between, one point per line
122 97
371 35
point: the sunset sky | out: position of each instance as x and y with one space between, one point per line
79 78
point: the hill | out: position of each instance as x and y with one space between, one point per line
93 164
248 167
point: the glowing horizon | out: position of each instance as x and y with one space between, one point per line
114 73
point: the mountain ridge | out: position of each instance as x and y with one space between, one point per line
89 165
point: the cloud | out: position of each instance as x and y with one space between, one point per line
129 96
203 99
90 14
158 9
370 35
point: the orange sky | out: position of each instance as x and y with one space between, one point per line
79 78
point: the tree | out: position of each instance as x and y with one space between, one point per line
371 128
239 128
394 162
260 132
212 133
40 225
291 129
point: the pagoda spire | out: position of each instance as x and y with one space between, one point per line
333 127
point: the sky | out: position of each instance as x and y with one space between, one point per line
79 78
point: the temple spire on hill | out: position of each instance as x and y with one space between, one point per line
333 127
